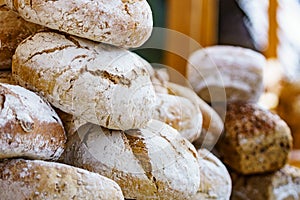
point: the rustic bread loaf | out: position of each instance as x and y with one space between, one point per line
255 140
180 113
13 30
212 126
29 127
234 71
279 185
6 77
150 163
123 23
215 181
99 83
25 179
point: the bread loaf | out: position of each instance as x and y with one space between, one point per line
215 181
13 30
123 23
180 113
29 126
99 83
6 77
279 185
226 73
25 179
150 163
255 140
212 126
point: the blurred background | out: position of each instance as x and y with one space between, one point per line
270 27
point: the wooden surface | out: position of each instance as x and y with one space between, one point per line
271 51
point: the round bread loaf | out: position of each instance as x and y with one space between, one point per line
282 184
151 163
13 30
29 127
99 83
234 70
126 23
180 113
25 179
212 126
255 140
215 181
6 77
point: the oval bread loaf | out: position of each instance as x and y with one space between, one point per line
29 127
255 140
215 181
126 23
13 30
226 73
279 185
212 126
99 83
150 163
25 179
180 113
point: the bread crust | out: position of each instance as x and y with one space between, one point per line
180 113
99 83
13 30
35 179
126 23
226 73
151 163
255 140
29 127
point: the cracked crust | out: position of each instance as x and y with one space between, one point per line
180 113
116 22
154 162
6 77
99 83
255 140
25 179
13 30
29 127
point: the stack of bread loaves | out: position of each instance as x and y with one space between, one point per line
113 137
256 143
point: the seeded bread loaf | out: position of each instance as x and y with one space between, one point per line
25 179
279 185
226 73
99 83
180 113
13 29
126 23
151 163
255 140
29 127
215 181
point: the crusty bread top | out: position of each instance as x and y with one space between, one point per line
25 179
29 126
245 120
100 83
126 23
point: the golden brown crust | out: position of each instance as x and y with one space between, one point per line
13 30
24 179
255 140
29 127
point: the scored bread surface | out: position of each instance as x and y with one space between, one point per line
99 83
126 23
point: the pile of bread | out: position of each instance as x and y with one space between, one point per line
82 117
